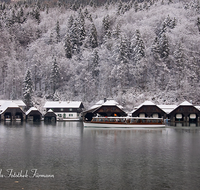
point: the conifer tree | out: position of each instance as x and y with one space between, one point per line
164 46
74 36
139 47
28 89
179 55
68 47
123 51
81 25
106 24
55 76
95 64
93 36
155 49
123 63
57 31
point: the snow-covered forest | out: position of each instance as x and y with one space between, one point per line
130 51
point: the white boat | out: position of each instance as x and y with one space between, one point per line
124 122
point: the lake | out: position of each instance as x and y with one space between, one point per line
66 156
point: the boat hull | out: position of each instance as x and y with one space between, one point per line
104 125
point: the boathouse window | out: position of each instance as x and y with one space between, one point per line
70 114
61 109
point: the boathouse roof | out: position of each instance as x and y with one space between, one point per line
63 104
146 103
50 112
31 109
20 103
106 102
185 103
6 105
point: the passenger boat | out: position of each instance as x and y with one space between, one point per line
124 122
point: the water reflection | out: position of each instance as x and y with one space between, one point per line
83 158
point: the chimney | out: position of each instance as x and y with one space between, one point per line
105 100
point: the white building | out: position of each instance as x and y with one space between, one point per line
65 110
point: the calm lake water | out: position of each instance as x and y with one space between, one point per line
67 156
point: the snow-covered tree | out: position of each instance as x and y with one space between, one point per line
139 48
81 26
74 36
55 76
93 36
95 64
28 90
106 24
57 32
164 46
123 55
155 49
68 47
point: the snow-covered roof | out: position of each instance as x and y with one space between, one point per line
108 102
62 104
198 107
6 105
18 102
146 103
100 102
31 109
95 106
50 110
185 103
167 108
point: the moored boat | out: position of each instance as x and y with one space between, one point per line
124 122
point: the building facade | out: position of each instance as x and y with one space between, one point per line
65 110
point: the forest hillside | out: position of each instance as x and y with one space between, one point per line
130 51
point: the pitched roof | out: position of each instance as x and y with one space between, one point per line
18 102
8 104
62 104
185 103
31 109
108 102
146 103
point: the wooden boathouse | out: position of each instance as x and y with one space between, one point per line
10 111
149 109
50 116
106 107
185 112
33 114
